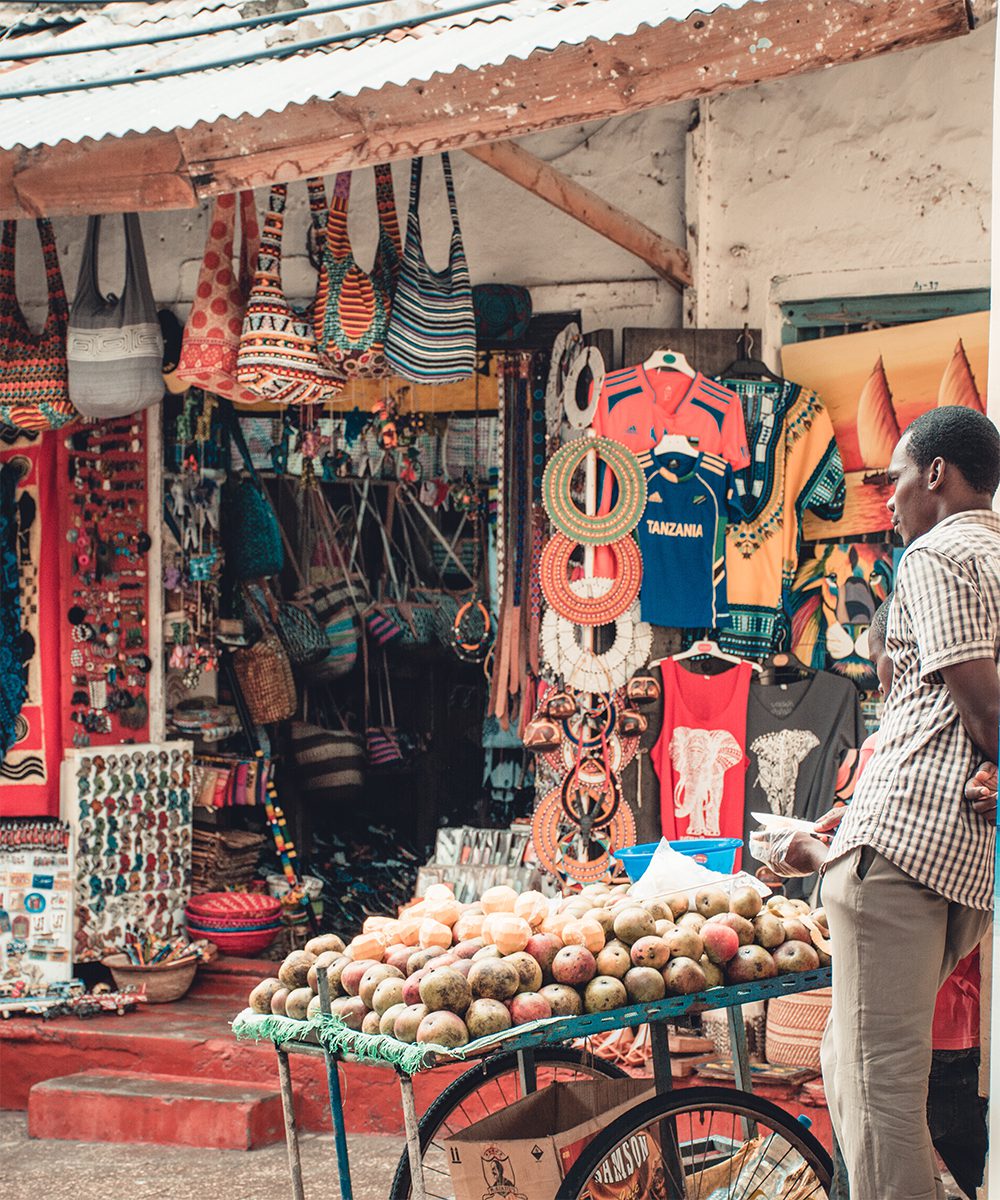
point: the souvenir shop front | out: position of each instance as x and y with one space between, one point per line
322 593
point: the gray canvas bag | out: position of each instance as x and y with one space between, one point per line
114 345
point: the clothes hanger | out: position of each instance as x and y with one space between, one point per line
706 648
781 661
669 360
676 443
745 366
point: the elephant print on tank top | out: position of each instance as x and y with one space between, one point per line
701 758
779 756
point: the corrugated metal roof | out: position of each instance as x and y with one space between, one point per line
439 42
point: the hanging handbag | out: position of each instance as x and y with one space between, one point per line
351 313
334 603
329 764
264 675
503 312
114 346
250 530
212 333
432 330
301 634
277 359
34 393
382 740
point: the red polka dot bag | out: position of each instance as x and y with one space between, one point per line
212 333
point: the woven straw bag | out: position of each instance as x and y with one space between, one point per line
351 313
329 763
265 675
278 359
432 330
795 1026
212 333
34 389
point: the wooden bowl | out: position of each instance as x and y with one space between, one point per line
162 983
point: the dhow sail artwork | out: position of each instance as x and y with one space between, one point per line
878 424
958 384
878 429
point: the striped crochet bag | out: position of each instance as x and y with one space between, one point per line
278 359
34 379
432 330
351 313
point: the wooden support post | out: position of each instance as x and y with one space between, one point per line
537 176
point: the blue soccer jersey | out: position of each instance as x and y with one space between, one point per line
682 535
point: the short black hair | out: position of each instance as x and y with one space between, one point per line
961 436
880 621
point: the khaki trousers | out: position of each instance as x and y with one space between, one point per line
894 942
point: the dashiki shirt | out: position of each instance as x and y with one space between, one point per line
795 465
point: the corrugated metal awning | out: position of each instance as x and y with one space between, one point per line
176 86
144 118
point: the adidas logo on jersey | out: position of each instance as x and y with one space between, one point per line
682 529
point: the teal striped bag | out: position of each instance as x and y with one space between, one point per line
432 329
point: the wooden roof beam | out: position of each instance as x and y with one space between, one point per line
541 179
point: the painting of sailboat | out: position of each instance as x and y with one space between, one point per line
873 385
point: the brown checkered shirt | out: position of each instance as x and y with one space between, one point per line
909 803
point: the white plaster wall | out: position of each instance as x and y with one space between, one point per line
510 235
862 179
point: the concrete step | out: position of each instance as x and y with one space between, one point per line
167 1110
231 979
191 1038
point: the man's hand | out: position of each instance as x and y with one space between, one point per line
828 822
805 853
981 791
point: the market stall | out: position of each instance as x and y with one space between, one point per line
331 586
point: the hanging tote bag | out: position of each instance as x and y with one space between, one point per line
212 333
277 359
33 387
251 534
432 329
264 673
351 314
114 346
329 764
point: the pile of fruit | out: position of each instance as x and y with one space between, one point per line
446 973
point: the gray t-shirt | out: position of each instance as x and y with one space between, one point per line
797 734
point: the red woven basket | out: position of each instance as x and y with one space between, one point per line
234 905
245 944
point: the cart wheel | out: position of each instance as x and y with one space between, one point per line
486 1088
706 1141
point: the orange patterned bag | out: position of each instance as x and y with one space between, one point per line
212 333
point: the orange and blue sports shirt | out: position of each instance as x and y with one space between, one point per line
682 534
637 407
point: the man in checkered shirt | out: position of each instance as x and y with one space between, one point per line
908 885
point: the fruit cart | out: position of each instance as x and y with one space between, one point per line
514 1063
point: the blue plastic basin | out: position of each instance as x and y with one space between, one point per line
717 854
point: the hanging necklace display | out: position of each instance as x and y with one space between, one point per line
577 417
594 672
575 851
600 609
565 349
557 492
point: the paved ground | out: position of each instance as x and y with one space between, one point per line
104 1171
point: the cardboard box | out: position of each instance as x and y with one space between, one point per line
523 1152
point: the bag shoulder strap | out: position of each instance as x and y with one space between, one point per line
449 184
338 242
86 288
137 291
249 241
236 433
385 199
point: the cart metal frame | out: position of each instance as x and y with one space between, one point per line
524 1044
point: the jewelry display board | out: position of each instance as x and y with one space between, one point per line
130 810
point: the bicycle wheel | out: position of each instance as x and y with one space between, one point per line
486 1088
704 1142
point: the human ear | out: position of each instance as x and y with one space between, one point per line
935 474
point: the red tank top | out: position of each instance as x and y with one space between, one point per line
700 755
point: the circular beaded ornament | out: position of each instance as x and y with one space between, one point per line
557 492
600 609
587 670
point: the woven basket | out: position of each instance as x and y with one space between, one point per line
795 1027
239 905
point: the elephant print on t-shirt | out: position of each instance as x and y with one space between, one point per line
779 756
701 758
